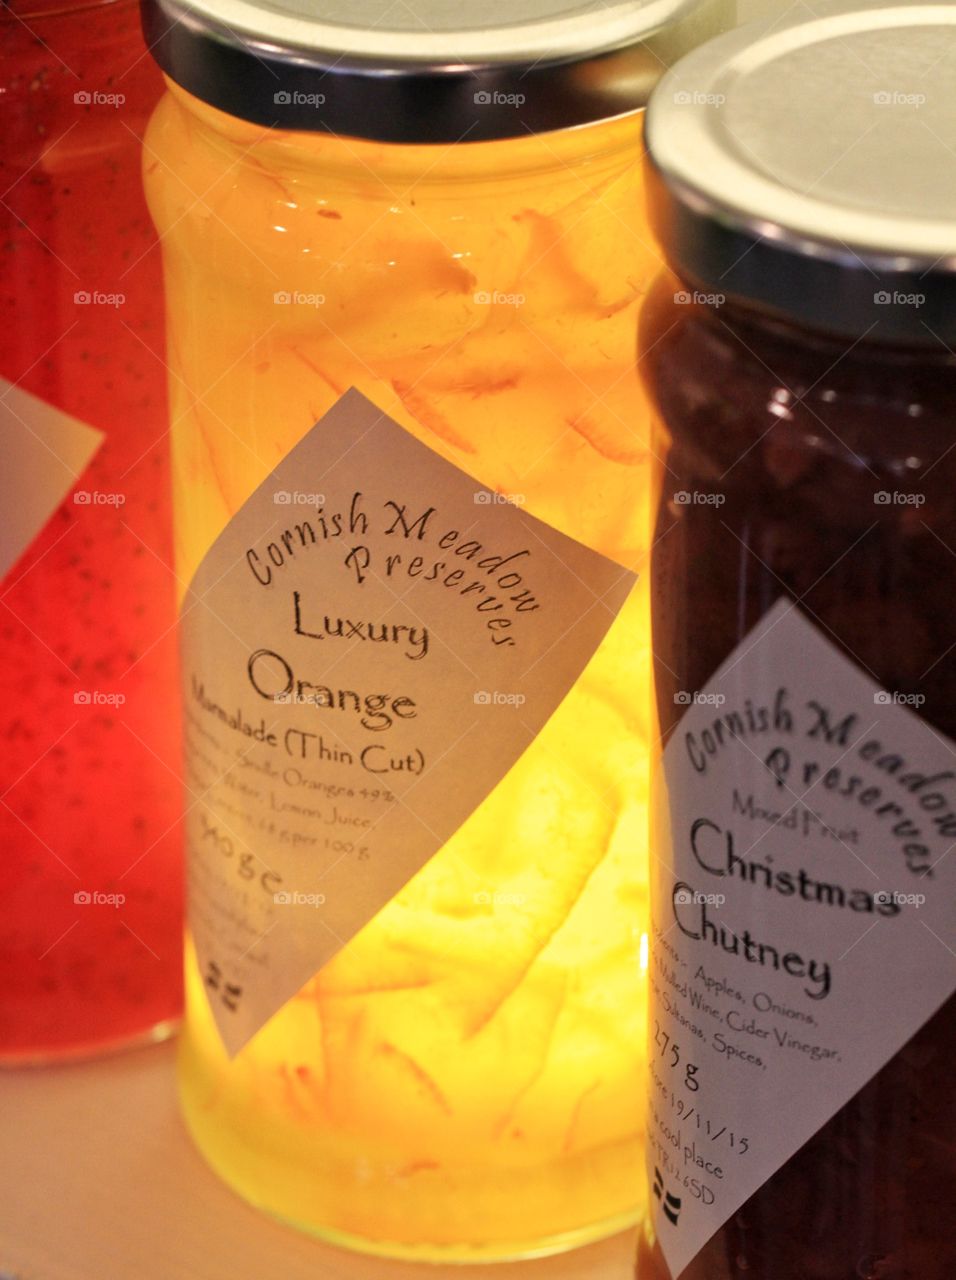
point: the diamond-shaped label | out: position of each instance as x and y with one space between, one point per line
369 646
803 891
44 453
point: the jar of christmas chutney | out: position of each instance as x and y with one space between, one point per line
800 358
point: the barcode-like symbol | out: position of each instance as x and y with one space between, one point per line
669 1203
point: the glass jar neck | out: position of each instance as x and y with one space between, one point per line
791 342
594 147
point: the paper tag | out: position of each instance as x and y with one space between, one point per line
44 453
369 646
803 909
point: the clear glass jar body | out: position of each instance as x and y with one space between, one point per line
807 438
456 1083
91 926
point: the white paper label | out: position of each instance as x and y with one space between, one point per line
368 647
44 453
803 911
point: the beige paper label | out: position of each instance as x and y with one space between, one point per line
369 646
44 453
802 904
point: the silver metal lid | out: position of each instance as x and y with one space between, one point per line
426 70
808 166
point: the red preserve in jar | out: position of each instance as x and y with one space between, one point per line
92 901
800 359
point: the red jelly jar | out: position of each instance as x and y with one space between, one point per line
801 360
90 923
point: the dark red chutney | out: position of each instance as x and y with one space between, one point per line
799 433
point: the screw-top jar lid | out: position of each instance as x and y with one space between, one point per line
430 71
808 165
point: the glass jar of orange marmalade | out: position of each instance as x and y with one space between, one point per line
801 362
404 256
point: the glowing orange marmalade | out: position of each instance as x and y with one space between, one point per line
463 1079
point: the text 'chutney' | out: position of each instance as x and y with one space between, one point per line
800 359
